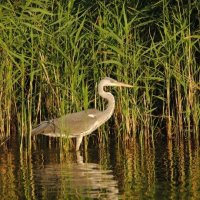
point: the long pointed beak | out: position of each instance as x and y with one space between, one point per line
123 84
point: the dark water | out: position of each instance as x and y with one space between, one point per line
137 170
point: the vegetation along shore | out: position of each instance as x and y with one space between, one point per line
54 53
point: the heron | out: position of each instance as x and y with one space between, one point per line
79 124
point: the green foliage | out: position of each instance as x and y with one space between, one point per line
52 53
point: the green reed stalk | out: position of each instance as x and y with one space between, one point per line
53 54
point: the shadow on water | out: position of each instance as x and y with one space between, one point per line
49 173
135 170
72 179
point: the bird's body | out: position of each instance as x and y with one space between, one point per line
71 125
81 123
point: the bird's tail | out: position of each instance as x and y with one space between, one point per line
40 128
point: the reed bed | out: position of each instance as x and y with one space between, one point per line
53 53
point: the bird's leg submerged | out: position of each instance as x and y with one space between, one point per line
78 142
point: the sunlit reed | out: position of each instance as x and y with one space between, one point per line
54 53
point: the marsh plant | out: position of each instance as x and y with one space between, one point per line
53 54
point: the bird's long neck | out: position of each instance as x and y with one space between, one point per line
111 101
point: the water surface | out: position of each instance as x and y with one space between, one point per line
136 170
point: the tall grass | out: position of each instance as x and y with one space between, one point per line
54 52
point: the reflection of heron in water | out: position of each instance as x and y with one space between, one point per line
82 123
89 180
